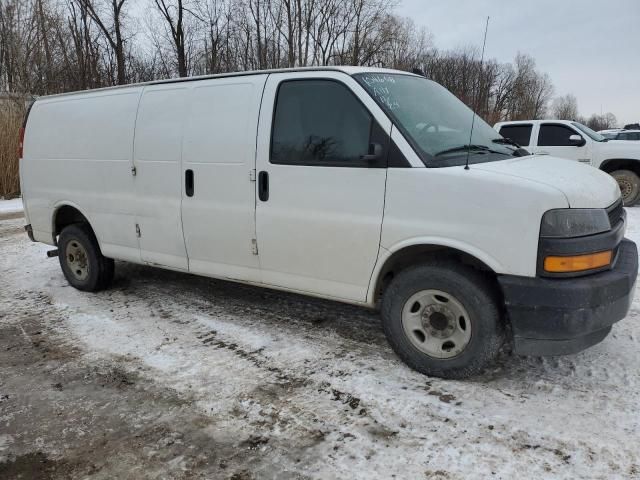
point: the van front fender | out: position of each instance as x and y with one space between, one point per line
387 255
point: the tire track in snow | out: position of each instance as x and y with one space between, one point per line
282 374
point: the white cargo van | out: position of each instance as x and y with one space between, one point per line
354 184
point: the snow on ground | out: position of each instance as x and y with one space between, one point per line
169 375
10 206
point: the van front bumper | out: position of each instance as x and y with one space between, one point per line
559 316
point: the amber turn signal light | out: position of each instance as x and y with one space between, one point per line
578 263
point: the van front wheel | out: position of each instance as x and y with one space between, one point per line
81 260
629 184
442 319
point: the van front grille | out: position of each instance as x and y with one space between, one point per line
615 213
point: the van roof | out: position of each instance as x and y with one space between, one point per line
349 70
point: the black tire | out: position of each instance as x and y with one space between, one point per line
473 290
97 271
629 184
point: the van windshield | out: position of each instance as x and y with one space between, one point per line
435 122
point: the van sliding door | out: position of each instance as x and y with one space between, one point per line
218 162
157 156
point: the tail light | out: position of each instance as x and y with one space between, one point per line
21 142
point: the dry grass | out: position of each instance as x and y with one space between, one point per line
11 117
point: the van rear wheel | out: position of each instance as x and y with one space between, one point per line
629 184
442 319
81 260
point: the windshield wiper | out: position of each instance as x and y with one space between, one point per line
518 152
464 148
505 141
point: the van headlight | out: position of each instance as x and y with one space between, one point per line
574 222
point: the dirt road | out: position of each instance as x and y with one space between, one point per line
169 375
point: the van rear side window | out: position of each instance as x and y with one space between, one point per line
521 134
320 123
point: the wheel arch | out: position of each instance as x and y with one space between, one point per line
67 213
613 164
410 253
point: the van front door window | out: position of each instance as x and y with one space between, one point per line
319 122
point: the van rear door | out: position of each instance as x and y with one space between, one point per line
219 147
321 183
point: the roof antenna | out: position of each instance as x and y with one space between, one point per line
475 94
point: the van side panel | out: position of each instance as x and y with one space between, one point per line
157 158
219 147
78 152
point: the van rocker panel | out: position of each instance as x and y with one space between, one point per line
558 316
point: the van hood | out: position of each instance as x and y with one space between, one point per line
583 186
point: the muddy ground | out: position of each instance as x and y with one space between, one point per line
169 375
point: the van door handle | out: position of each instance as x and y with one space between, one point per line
263 186
188 183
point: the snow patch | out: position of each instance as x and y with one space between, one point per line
11 206
318 381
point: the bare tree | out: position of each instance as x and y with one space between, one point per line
50 46
531 91
602 122
176 14
565 107
18 41
108 16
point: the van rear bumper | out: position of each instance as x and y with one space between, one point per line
559 316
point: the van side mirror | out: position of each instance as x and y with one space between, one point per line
577 140
375 153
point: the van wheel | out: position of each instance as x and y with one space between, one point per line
81 261
442 319
629 184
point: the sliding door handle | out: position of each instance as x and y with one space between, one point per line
263 186
188 183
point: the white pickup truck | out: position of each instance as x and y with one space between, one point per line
572 140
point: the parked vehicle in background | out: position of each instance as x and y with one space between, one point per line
610 133
345 183
574 141
620 134
632 126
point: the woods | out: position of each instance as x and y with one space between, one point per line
11 115
53 46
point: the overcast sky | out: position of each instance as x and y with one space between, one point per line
590 48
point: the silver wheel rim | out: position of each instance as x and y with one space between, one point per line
76 257
626 188
436 323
